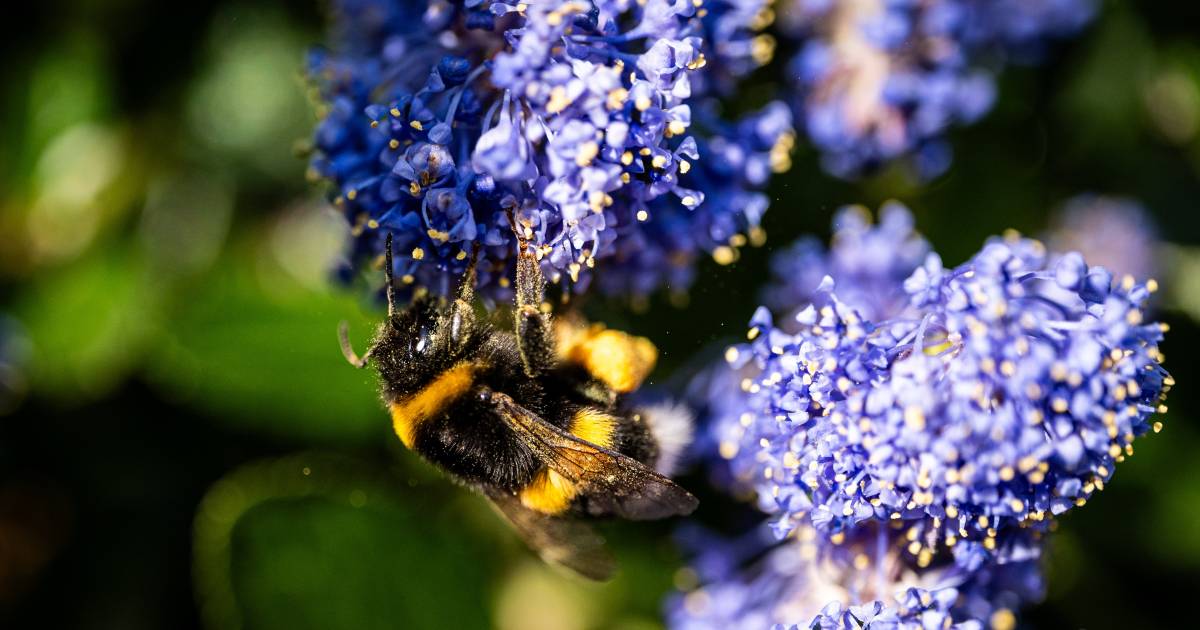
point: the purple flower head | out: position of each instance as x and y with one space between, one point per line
880 80
991 397
570 116
868 261
715 205
868 579
1003 394
1115 233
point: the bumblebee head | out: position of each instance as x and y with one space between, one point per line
412 346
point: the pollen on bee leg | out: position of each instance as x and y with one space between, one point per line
549 493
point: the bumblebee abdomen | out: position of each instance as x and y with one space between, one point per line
551 493
470 442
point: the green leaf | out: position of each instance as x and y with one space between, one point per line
319 541
266 358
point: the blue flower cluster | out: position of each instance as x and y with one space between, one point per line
570 120
1114 232
870 262
962 409
878 80
866 581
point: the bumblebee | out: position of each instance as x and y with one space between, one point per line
534 418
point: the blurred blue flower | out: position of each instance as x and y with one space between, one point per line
572 117
868 261
1113 232
14 355
735 30
1003 394
879 80
868 580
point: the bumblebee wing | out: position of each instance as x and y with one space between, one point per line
611 483
564 542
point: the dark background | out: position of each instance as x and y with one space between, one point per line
192 450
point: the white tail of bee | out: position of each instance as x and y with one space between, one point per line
672 426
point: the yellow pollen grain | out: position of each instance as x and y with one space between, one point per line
724 255
1003 619
558 100
616 98
914 418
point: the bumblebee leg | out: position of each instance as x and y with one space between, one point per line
462 315
535 339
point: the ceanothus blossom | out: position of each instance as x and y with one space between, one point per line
569 121
869 261
882 80
1003 395
867 580
1114 232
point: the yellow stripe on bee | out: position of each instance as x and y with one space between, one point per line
409 413
551 493
619 360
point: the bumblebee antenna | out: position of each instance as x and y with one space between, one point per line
348 350
389 289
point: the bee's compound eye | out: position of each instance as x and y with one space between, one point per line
484 394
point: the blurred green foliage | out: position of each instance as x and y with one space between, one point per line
167 259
